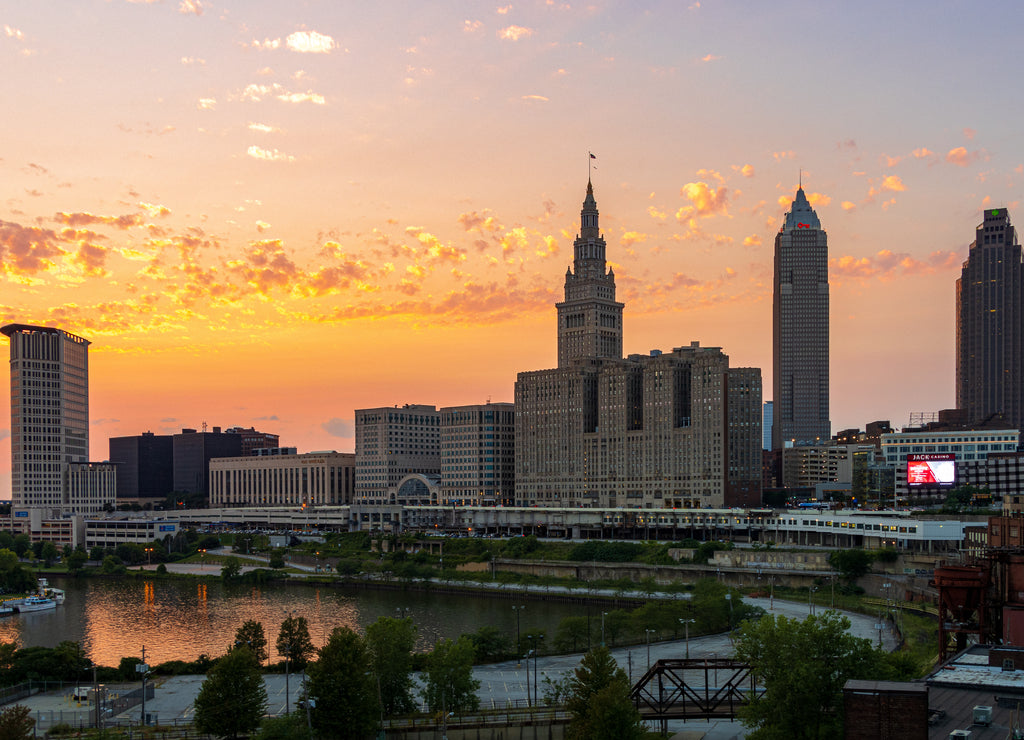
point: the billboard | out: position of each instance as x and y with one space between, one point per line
934 470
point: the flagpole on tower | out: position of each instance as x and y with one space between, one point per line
590 163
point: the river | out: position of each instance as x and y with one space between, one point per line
181 619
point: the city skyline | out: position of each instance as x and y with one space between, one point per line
268 216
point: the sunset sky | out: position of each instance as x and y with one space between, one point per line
270 214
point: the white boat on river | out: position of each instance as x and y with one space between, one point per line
33 604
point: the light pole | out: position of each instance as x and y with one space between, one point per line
810 604
287 666
603 615
202 558
536 673
687 623
648 632
728 597
149 556
529 703
519 642
771 593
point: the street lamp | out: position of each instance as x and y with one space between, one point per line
149 556
687 623
603 615
202 558
810 604
648 648
519 643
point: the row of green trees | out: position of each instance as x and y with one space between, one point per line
353 682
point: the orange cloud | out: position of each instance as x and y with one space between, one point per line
961 157
633 237
747 170
474 221
752 241
922 153
190 7
88 219
514 33
705 200
779 156
893 183
27 250
848 205
709 58
886 264
969 133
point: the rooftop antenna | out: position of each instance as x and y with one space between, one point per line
204 427
801 177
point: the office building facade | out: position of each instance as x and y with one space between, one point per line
967 445
253 440
744 436
990 324
145 466
311 479
50 422
800 327
391 443
192 453
478 455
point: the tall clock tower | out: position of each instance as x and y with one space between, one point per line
589 319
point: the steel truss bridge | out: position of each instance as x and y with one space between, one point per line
697 688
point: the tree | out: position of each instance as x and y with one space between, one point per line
232 568
573 633
390 642
490 643
233 698
16 723
851 564
293 641
276 559
48 553
21 545
76 561
802 667
344 692
251 633
450 686
599 701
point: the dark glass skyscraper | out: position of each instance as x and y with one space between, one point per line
800 402
990 325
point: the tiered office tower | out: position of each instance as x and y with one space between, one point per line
647 431
800 388
990 325
50 423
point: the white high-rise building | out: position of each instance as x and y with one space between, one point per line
50 423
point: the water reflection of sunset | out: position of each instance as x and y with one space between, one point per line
181 620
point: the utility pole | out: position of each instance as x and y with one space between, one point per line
142 669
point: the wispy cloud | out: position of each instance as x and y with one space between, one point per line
310 42
268 155
514 33
190 7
